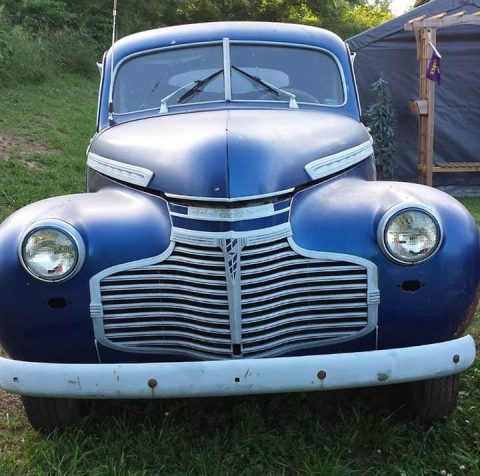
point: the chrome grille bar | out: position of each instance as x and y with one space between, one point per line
217 298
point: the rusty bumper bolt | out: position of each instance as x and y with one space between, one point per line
456 358
322 375
152 383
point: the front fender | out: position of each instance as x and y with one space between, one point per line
117 225
342 216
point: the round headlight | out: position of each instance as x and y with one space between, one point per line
410 235
52 253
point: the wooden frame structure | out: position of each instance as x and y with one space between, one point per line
425 29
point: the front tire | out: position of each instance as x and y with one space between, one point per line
431 400
47 414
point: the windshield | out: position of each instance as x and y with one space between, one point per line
311 75
142 82
257 72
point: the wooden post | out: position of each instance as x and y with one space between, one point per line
426 129
431 34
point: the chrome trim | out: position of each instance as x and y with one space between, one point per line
307 47
232 256
120 170
227 73
229 200
100 88
340 161
202 238
171 106
395 210
63 227
227 98
258 313
239 376
231 214
352 56
146 52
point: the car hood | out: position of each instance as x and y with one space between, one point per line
229 154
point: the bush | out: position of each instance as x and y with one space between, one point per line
23 58
27 57
39 15
381 119
74 51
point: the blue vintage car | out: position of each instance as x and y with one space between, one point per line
234 240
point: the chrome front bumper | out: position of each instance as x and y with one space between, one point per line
237 377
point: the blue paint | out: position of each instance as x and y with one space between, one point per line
234 151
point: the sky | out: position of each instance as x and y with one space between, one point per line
401 6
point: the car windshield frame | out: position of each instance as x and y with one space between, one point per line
225 44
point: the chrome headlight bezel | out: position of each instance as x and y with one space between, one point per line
62 227
391 214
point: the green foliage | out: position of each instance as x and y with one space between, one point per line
23 57
39 38
419 3
363 17
381 119
40 15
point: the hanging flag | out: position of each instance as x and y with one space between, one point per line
433 69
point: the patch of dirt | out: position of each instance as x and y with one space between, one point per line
10 409
46 119
13 147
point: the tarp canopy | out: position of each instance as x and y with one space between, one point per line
390 51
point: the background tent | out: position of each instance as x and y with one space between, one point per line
390 50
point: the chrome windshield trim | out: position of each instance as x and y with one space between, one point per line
227 73
306 47
119 170
229 200
226 42
341 160
147 52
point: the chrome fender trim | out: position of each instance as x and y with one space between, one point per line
341 160
119 170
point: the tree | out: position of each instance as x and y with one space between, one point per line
418 3
381 118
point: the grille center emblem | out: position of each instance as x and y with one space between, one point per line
231 250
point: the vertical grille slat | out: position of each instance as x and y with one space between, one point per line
218 301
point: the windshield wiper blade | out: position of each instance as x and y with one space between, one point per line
199 84
270 87
163 101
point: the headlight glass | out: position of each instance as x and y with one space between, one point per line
50 254
411 235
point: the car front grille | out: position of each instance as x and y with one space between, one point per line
179 304
290 300
232 299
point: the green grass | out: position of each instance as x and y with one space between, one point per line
49 126
333 433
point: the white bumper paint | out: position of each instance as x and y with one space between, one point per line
237 377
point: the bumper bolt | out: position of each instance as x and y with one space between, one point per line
456 358
322 375
152 383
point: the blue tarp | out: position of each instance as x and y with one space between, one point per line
389 50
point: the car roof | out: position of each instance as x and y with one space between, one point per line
216 31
